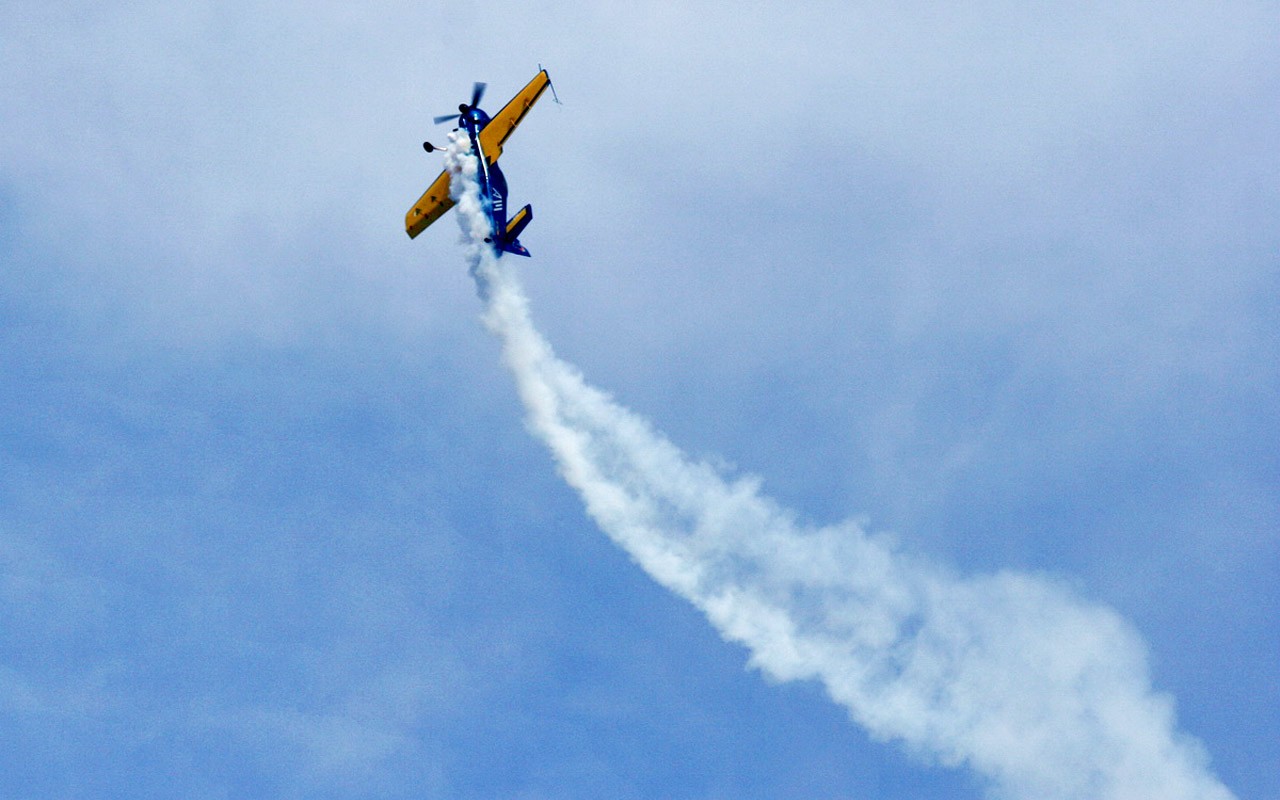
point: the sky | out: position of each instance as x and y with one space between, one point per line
993 282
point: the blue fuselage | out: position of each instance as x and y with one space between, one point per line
493 184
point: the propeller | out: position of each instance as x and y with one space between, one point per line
477 92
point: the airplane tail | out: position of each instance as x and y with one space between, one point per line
517 224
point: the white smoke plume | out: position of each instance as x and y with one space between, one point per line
1011 675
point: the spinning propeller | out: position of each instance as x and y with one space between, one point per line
477 92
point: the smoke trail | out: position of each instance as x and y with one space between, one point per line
1011 675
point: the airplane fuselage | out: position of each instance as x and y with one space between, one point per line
493 184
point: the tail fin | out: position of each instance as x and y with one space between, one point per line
515 227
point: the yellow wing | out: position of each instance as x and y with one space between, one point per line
430 207
500 126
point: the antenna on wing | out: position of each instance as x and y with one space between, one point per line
554 96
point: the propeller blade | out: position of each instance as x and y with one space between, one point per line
477 92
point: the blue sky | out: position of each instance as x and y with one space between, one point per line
997 279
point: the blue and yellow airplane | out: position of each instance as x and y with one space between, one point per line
488 135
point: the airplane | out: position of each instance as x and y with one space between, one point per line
487 135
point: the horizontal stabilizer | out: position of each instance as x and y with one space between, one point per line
511 239
519 222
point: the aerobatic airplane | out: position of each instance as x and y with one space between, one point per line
487 135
